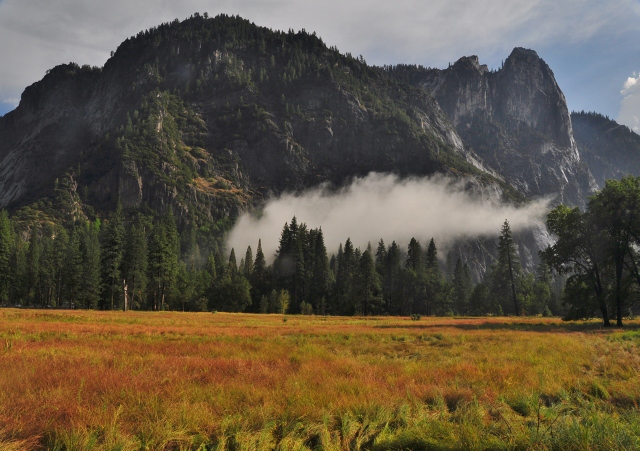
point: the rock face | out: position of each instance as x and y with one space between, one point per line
516 119
207 115
610 150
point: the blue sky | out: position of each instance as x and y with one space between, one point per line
593 46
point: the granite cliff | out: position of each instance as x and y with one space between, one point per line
515 118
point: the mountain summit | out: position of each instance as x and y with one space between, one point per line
516 119
206 116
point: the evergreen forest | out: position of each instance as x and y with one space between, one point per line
137 261
145 263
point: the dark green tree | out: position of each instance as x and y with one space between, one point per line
321 278
248 263
367 286
437 298
72 269
415 279
393 283
6 248
111 253
462 287
136 262
506 272
33 265
90 284
163 260
580 252
615 211
260 278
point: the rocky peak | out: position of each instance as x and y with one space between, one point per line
529 94
516 119
469 64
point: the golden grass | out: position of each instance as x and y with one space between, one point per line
140 380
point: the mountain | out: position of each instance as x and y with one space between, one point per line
208 116
515 118
610 150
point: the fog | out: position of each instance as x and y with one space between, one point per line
384 206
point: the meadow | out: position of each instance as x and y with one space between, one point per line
87 380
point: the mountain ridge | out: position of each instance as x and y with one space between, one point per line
207 115
211 116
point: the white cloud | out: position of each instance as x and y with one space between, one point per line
629 113
39 34
383 206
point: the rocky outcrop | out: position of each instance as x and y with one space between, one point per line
516 119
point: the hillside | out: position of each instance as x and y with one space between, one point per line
208 116
610 150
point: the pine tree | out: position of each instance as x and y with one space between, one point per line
414 278
136 262
20 273
289 266
414 257
435 287
248 263
164 249
506 272
5 256
90 245
33 264
60 245
72 270
367 286
393 281
346 266
111 252
47 268
462 287
232 266
260 286
381 257
321 274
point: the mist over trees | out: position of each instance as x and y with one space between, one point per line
143 262
137 261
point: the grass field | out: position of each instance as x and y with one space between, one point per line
76 380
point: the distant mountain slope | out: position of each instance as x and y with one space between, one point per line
516 119
207 115
610 150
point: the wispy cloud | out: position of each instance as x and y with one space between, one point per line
384 206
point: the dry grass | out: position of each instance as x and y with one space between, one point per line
122 381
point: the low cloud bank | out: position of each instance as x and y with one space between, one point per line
384 206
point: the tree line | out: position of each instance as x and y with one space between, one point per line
145 263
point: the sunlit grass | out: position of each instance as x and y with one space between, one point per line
125 381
